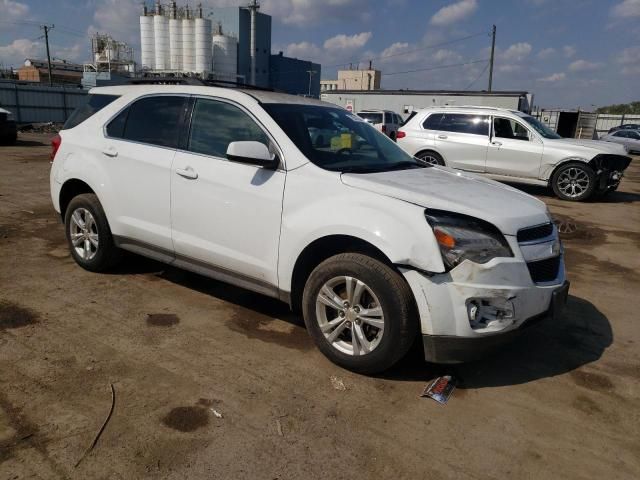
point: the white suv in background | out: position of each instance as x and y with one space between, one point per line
373 246
511 146
385 121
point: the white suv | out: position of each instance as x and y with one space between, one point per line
511 146
385 121
371 245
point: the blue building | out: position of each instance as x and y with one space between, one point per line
298 77
236 22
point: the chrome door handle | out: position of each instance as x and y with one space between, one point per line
188 172
497 144
110 152
442 137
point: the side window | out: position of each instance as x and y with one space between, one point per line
94 104
115 129
622 134
432 122
634 135
465 123
154 120
509 128
214 125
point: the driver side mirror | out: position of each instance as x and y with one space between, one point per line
252 153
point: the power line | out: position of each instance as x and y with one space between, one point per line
436 67
478 77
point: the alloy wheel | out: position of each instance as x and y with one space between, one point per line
573 182
350 315
83 232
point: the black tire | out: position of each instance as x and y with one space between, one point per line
431 157
107 254
393 136
395 299
559 177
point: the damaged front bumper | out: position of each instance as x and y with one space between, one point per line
609 170
475 308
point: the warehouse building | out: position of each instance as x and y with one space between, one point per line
405 101
37 71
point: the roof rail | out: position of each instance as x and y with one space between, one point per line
480 107
195 81
166 81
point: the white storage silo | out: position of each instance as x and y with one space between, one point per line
225 57
147 42
161 33
175 43
188 45
203 45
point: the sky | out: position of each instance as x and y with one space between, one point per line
568 53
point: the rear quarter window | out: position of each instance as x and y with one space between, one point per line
371 117
94 104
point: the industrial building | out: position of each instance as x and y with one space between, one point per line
353 80
112 62
221 43
405 101
298 77
61 72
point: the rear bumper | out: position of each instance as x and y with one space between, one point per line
455 349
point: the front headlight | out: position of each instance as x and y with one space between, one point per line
461 237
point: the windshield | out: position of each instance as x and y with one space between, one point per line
540 127
336 140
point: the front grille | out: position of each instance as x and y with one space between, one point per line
544 270
535 233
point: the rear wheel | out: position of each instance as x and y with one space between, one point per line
574 182
359 312
430 157
88 234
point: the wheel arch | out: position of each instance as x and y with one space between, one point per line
321 249
72 188
552 169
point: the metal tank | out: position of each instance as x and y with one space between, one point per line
225 57
161 32
147 42
175 43
203 45
188 45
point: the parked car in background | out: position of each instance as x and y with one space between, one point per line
372 245
628 126
628 138
511 146
385 121
8 128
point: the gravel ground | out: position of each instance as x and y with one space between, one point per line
215 382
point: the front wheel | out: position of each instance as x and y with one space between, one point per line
88 234
359 312
574 182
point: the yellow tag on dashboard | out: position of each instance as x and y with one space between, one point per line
346 140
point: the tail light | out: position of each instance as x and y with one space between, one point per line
400 134
384 129
55 145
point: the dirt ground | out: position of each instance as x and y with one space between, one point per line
181 351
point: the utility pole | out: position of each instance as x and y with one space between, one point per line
46 29
493 49
311 74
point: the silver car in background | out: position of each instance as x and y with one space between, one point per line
628 138
512 146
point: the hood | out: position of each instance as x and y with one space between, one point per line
595 146
442 188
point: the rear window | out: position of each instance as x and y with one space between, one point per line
458 122
371 117
94 104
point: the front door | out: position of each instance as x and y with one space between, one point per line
226 215
514 151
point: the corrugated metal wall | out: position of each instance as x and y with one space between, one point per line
31 103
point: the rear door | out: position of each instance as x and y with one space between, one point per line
139 147
461 138
514 150
226 215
